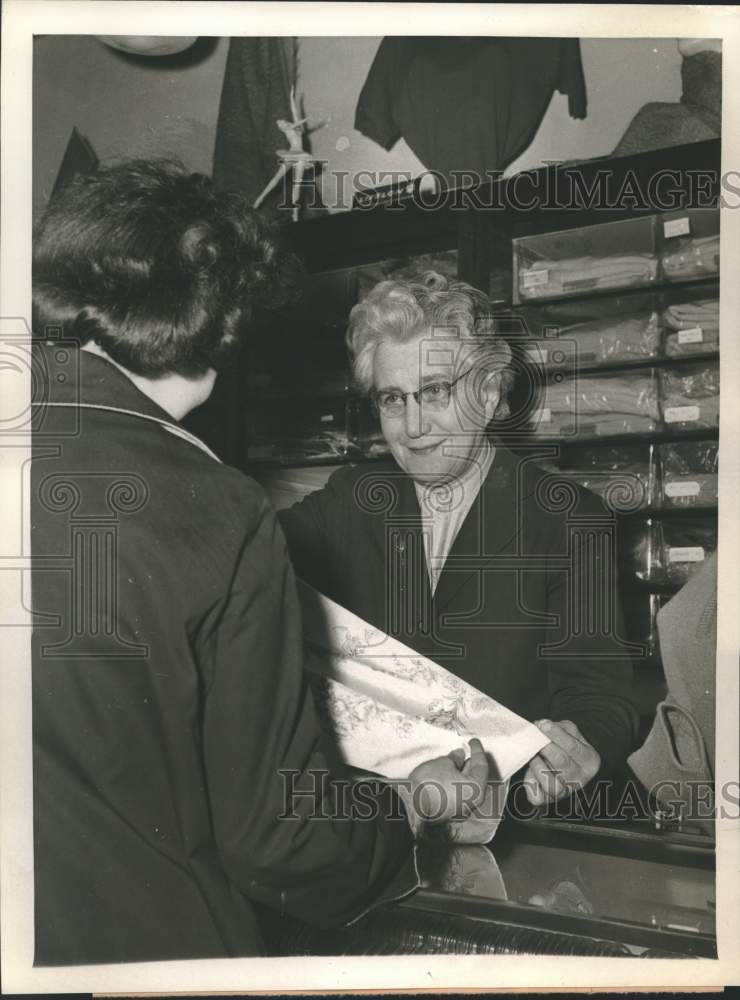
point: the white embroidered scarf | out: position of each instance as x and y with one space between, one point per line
390 709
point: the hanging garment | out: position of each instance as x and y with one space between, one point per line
256 92
467 104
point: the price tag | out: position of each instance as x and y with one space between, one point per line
679 414
676 227
692 335
530 279
689 488
327 418
686 553
537 354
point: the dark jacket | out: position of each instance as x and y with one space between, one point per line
513 610
167 692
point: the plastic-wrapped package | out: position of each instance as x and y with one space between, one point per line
598 406
623 475
689 473
691 258
550 278
569 262
683 545
691 327
665 551
631 337
689 396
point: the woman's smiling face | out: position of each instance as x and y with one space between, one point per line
432 444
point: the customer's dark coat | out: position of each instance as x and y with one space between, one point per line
512 590
167 692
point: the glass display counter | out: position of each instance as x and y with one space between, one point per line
543 886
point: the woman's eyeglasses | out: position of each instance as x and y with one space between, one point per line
433 396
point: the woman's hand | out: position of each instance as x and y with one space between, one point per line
450 789
566 763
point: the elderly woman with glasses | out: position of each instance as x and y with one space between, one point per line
458 548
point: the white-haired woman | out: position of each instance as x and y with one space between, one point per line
457 547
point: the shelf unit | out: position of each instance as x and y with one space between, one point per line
660 544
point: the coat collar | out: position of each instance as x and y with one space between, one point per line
71 375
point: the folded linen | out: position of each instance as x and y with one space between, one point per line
545 278
691 327
704 312
599 406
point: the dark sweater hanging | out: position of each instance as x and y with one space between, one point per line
256 92
467 104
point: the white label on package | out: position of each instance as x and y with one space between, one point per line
676 227
689 488
677 414
537 354
693 335
543 416
532 278
686 553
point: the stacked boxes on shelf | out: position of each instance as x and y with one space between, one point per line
633 308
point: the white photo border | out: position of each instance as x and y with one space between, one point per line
21 20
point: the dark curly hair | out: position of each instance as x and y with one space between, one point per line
162 271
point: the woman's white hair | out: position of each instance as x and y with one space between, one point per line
398 311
